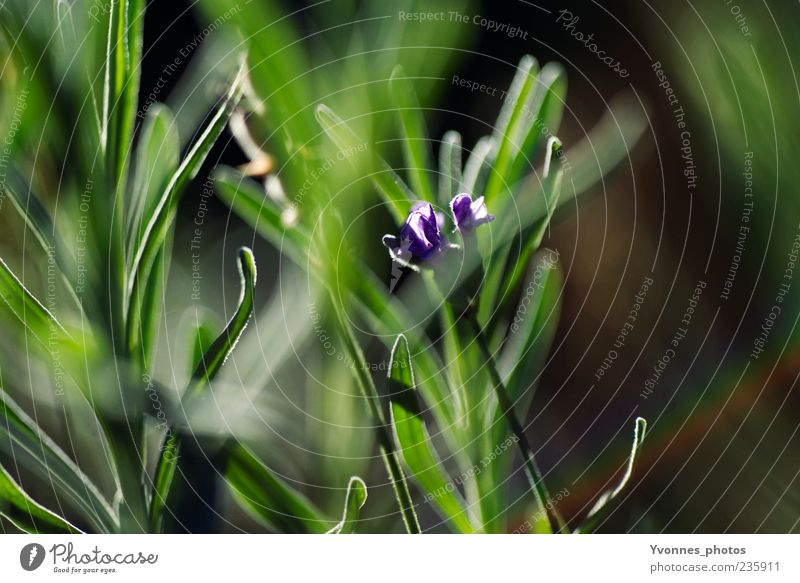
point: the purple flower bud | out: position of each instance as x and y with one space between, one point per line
469 214
420 238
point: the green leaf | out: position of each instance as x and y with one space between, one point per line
546 108
201 336
449 168
415 443
157 155
28 310
385 440
27 514
206 369
603 504
31 209
248 199
520 364
22 440
162 482
354 501
218 352
153 305
389 185
120 95
416 145
158 226
267 497
511 125
609 143
39 221
552 175
478 166
531 330
503 272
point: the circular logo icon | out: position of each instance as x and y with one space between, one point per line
31 556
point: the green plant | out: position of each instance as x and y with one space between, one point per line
107 240
466 339
453 327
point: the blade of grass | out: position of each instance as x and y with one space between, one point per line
609 142
502 278
27 514
546 108
206 369
478 166
532 329
355 499
218 352
416 145
520 363
22 440
267 497
39 221
157 156
385 440
250 202
604 503
514 119
28 310
389 185
449 167
538 487
157 228
415 444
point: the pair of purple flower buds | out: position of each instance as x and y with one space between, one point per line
421 238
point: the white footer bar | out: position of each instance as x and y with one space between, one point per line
396 558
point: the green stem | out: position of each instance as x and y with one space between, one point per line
385 440
132 506
532 471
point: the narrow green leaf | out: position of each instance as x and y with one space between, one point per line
28 310
546 108
506 409
29 205
162 482
153 305
130 28
415 443
354 501
514 119
248 199
155 233
32 210
478 166
449 167
22 440
267 497
27 514
385 439
201 337
416 145
157 155
532 329
218 352
389 185
503 272
520 364
553 176
206 369
609 143
603 504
